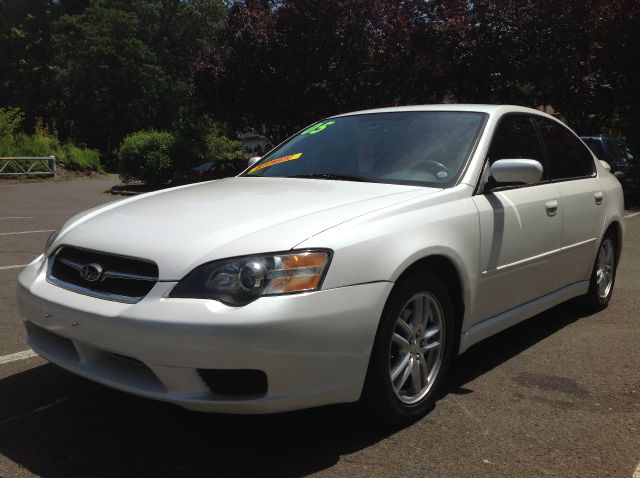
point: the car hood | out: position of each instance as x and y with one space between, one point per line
181 228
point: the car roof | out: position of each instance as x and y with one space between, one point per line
489 109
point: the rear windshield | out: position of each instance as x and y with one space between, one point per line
427 148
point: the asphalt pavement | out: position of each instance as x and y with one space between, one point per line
557 395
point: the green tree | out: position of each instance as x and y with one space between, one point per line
123 66
286 63
221 146
26 79
109 79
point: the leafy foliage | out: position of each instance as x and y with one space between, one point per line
341 55
220 146
99 69
43 142
285 64
37 144
96 70
101 47
25 56
199 138
11 120
147 156
80 159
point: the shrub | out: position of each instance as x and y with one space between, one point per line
37 144
6 146
42 143
147 156
23 144
81 159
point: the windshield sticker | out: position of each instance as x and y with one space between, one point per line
272 162
318 128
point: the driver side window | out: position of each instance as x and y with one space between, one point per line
516 138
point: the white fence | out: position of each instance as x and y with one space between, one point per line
28 166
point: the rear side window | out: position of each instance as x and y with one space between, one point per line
595 145
567 156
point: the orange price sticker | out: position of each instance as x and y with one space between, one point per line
282 159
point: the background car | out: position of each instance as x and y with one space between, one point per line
624 165
208 171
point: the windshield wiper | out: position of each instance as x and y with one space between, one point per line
330 176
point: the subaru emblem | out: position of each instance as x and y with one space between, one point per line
91 272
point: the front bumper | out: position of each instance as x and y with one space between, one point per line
314 347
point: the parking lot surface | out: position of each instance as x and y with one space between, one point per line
558 395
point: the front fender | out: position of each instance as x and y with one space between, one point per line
381 245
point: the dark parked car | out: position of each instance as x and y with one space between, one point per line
209 171
624 165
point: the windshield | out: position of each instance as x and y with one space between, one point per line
427 148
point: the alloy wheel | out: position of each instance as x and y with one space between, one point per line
605 268
417 347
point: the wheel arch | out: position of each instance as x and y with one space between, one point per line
619 175
448 269
615 228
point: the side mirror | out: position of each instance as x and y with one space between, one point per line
253 160
518 171
605 165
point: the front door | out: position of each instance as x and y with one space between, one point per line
520 227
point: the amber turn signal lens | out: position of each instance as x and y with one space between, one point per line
307 259
298 272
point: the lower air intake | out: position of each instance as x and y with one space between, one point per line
235 382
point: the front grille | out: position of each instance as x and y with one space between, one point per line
235 382
102 275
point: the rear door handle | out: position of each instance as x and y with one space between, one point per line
598 197
552 207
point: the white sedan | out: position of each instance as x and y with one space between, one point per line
353 261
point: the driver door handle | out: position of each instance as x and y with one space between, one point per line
552 207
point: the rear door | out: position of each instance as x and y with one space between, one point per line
521 226
582 199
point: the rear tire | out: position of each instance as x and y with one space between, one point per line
603 275
412 350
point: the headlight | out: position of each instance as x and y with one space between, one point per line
242 280
50 240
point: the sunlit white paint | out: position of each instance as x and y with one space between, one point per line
314 347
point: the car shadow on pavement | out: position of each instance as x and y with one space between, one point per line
56 424
499 348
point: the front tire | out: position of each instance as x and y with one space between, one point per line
412 351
